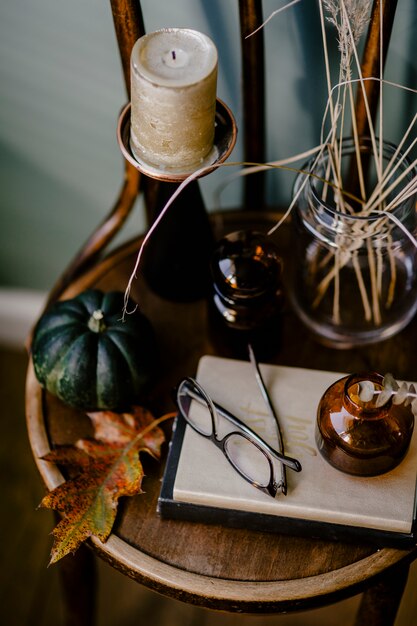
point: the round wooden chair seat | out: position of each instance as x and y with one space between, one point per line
211 565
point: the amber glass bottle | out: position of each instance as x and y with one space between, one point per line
246 300
359 437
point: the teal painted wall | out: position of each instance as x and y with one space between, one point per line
61 89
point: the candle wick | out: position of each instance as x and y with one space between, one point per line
174 56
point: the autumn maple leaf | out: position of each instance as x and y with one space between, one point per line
106 468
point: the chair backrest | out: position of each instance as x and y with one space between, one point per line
129 26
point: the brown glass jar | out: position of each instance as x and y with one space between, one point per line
358 437
246 301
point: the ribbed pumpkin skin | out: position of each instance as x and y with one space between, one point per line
109 369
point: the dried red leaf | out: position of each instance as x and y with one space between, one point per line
107 467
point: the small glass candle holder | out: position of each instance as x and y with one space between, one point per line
246 300
360 437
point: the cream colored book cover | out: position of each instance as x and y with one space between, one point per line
319 492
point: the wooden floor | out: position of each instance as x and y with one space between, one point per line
29 591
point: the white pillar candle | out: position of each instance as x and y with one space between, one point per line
173 98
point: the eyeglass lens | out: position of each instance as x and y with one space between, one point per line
197 414
248 459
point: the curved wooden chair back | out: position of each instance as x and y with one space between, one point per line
129 26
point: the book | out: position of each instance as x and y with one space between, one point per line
199 484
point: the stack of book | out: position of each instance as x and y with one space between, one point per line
200 485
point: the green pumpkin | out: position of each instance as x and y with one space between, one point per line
84 354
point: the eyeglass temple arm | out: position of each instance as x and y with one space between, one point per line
293 464
271 410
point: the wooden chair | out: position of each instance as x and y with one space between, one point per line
269 573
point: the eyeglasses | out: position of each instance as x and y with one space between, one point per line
246 451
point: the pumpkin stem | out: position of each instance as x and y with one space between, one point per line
96 322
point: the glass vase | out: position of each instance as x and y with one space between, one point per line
359 437
354 278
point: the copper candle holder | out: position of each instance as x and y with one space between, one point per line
224 141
